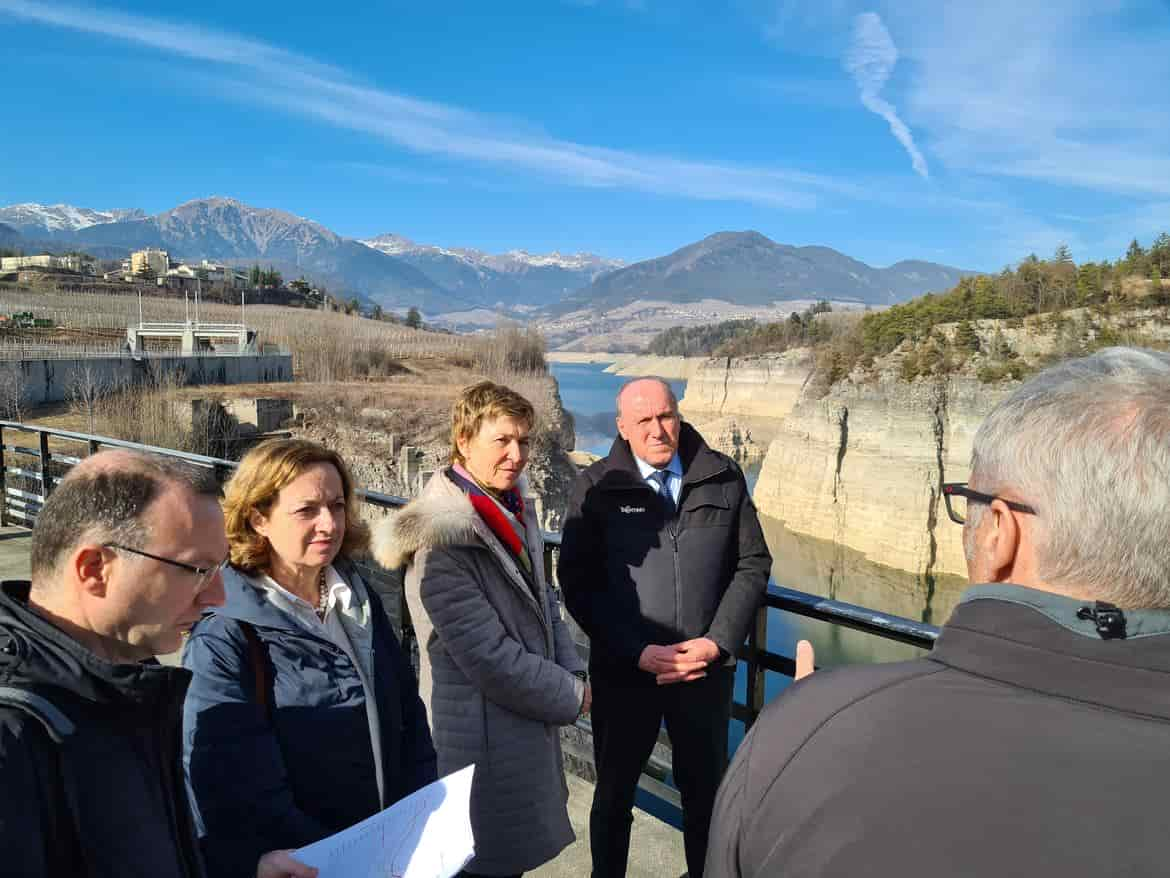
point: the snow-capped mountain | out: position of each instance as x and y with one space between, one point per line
508 279
46 220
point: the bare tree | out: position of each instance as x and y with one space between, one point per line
11 391
86 390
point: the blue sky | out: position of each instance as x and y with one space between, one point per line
964 133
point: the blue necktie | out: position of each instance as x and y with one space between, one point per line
662 477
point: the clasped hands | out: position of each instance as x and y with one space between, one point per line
686 661
679 662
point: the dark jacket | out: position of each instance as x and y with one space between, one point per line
1024 744
264 782
632 577
91 781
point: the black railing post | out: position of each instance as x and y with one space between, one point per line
3 484
94 447
757 641
44 459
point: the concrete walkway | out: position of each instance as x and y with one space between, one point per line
14 548
656 848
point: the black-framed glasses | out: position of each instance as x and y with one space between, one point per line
959 496
205 574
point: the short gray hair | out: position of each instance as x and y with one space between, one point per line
1087 443
665 386
104 499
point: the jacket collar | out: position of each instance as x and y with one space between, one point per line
37 655
247 603
1032 639
698 461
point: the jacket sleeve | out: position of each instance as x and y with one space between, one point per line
582 573
25 835
241 796
566 648
419 761
727 820
474 636
749 582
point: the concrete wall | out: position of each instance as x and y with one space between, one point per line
43 381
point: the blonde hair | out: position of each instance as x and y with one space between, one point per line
482 402
263 472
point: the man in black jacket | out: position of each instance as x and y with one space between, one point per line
1035 738
126 554
663 565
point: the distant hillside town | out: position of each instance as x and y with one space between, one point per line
154 269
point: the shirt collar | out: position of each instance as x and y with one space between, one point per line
336 587
674 467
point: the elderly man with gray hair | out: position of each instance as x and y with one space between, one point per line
1035 738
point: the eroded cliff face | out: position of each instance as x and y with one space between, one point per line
766 386
864 466
672 368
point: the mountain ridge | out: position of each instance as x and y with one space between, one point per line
748 268
739 267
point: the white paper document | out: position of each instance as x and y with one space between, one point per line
426 835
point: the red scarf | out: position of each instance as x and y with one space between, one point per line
494 517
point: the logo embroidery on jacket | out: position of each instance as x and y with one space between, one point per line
628 509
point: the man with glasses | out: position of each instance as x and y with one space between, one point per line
1035 738
126 555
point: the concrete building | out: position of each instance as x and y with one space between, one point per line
45 260
156 260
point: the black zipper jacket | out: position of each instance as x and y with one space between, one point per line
1024 744
91 781
633 576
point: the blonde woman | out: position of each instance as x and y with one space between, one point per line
303 716
500 672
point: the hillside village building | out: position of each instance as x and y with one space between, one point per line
156 261
63 263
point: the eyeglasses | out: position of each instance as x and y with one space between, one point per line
205 574
958 496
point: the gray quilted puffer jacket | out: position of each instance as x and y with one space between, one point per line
497 672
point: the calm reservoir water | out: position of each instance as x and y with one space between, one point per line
799 562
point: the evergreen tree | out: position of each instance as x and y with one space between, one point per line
413 318
1062 256
966 338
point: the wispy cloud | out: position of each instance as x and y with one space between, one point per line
250 70
1070 95
870 60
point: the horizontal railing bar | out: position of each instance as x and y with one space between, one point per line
23 473
20 449
852 616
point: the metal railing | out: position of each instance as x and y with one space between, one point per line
119 350
20 504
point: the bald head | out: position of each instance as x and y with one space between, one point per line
648 419
104 499
650 384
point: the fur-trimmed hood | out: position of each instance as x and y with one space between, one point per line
440 516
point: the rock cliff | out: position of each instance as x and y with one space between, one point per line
673 368
766 386
863 467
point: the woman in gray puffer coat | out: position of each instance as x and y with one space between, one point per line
500 672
